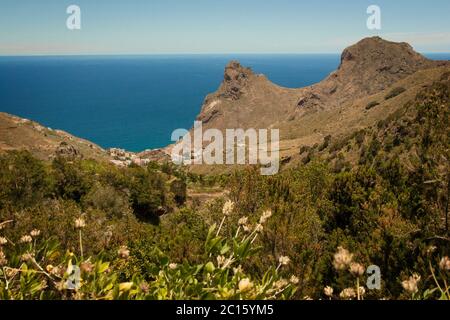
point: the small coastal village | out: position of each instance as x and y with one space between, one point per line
124 158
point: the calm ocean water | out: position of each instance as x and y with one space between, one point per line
135 102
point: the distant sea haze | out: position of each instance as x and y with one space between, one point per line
135 102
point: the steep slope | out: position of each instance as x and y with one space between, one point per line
246 100
416 134
368 67
374 79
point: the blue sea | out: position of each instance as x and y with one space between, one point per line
135 102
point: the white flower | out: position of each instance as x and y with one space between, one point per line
245 285
3 241
80 223
356 269
280 284
328 291
35 233
220 261
266 215
237 270
228 208
243 221
361 291
27 257
259 228
410 284
3 260
342 259
283 260
293 280
444 264
348 293
173 266
26 239
123 252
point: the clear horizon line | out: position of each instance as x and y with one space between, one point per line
185 53
162 53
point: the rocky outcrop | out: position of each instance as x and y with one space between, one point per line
66 150
370 66
369 71
245 99
236 78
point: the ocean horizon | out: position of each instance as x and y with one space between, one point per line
134 102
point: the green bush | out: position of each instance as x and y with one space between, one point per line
179 190
36 268
23 180
114 203
326 143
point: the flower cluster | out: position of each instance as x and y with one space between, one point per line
444 264
328 291
228 208
26 239
356 269
348 293
123 252
411 284
342 259
80 223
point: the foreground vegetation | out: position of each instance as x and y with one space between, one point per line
379 197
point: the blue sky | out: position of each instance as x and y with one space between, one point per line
213 26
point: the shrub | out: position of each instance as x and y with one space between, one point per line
325 144
23 180
394 92
36 268
107 199
304 149
372 104
149 195
70 181
359 137
179 189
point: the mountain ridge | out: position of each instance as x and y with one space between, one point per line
367 67
337 105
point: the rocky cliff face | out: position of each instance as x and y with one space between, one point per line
245 99
368 71
368 67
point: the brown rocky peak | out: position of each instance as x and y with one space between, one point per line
235 79
377 52
234 71
373 64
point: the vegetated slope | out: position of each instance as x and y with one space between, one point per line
416 134
44 143
374 79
